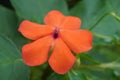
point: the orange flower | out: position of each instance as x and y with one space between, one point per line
61 34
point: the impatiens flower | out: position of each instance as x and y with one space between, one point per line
61 34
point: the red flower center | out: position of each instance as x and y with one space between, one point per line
55 33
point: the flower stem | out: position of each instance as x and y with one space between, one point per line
110 65
103 36
94 25
67 76
115 16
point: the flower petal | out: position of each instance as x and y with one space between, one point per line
77 40
61 59
36 53
54 18
33 30
71 22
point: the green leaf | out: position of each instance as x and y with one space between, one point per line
81 75
106 53
95 15
9 26
104 70
36 10
87 74
8 22
88 58
76 76
55 76
11 65
88 10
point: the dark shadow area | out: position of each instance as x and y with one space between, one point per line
6 3
72 3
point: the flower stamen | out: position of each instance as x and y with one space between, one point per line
55 34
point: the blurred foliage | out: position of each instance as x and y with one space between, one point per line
11 64
101 17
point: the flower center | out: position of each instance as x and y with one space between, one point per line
55 33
